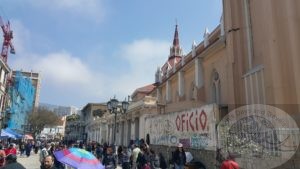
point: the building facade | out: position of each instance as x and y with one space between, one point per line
36 82
74 128
65 110
128 124
239 63
250 58
60 110
261 45
21 101
94 116
4 79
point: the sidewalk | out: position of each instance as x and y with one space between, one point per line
31 162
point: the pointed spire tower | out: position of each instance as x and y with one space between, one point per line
174 56
175 50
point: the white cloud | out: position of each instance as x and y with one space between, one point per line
68 78
60 71
143 56
146 50
63 69
21 36
59 68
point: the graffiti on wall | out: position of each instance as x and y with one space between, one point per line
263 136
191 121
193 128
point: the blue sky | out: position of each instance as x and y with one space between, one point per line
90 50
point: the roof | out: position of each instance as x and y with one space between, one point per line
170 64
145 89
91 104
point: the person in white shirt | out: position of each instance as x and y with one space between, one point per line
135 153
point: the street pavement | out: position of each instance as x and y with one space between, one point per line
31 162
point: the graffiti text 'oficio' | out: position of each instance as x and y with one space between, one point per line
191 121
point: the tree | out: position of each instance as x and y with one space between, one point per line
40 118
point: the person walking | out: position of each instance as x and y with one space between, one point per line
37 146
58 164
11 163
99 152
22 148
143 160
109 160
135 152
125 158
154 160
2 156
11 150
44 153
162 161
230 163
28 148
179 157
48 163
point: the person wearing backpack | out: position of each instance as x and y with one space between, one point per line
44 153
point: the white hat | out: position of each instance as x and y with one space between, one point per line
179 145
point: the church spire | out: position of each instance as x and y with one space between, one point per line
175 56
176 38
175 50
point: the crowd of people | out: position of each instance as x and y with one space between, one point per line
10 151
8 157
138 155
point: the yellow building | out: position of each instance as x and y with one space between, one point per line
251 57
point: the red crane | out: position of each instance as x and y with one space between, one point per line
8 36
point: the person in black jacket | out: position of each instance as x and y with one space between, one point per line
154 160
179 157
162 161
125 158
143 159
11 162
109 160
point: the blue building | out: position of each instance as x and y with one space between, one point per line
21 93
